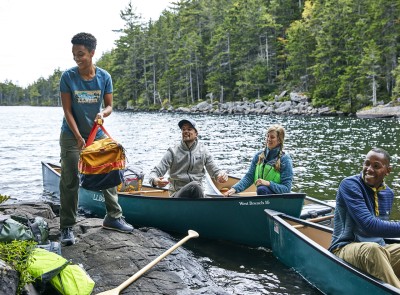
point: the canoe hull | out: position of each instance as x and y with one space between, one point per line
321 268
240 220
51 179
236 219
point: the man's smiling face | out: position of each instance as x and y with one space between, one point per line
189 134
375 168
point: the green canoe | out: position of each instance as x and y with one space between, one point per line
302 245
239 219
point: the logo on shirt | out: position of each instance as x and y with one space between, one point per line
91 96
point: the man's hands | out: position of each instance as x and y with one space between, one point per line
160 181
222 177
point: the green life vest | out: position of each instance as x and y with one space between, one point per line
267 172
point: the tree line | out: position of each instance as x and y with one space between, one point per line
343 54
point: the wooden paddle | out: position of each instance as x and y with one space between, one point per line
116 291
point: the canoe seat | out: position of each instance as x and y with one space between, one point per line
322 218
320 237
298 226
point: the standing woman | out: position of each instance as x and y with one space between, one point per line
86 96
271 169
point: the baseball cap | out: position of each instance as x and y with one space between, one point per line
187 121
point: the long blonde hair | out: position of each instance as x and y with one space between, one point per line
280 132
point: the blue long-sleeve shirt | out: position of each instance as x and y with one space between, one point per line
286 174
355 219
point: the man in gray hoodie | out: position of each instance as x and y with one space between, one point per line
186 163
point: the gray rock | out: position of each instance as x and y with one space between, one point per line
284 107
183 110
298 97
282 94
9 279
259 105
203 106
379 112
324 110
110 257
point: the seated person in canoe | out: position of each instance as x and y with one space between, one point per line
271 169
361 222
186 163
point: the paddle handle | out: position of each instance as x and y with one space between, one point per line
191 234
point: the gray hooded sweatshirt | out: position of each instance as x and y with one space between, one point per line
185 165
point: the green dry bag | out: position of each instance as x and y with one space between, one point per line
73 280
21 229
11 230
66 278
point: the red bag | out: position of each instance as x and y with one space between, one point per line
101 162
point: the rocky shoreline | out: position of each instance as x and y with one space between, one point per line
298 104
110 257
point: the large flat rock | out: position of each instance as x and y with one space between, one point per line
380 112
110 257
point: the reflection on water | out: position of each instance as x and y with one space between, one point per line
324 151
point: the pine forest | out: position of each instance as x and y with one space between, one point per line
343 54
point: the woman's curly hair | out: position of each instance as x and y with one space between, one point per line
85 39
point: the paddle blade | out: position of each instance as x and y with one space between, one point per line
193 234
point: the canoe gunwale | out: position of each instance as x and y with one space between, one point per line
272 196
281 219
51 168
217 197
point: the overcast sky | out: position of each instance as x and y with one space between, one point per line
35 35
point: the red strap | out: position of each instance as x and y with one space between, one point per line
93 133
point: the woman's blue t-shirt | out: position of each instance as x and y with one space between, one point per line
87 98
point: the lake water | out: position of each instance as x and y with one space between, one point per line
324 151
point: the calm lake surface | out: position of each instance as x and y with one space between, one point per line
324 151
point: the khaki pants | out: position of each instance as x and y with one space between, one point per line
381 262
69 185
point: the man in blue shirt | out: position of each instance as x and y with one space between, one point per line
363 205
84 90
